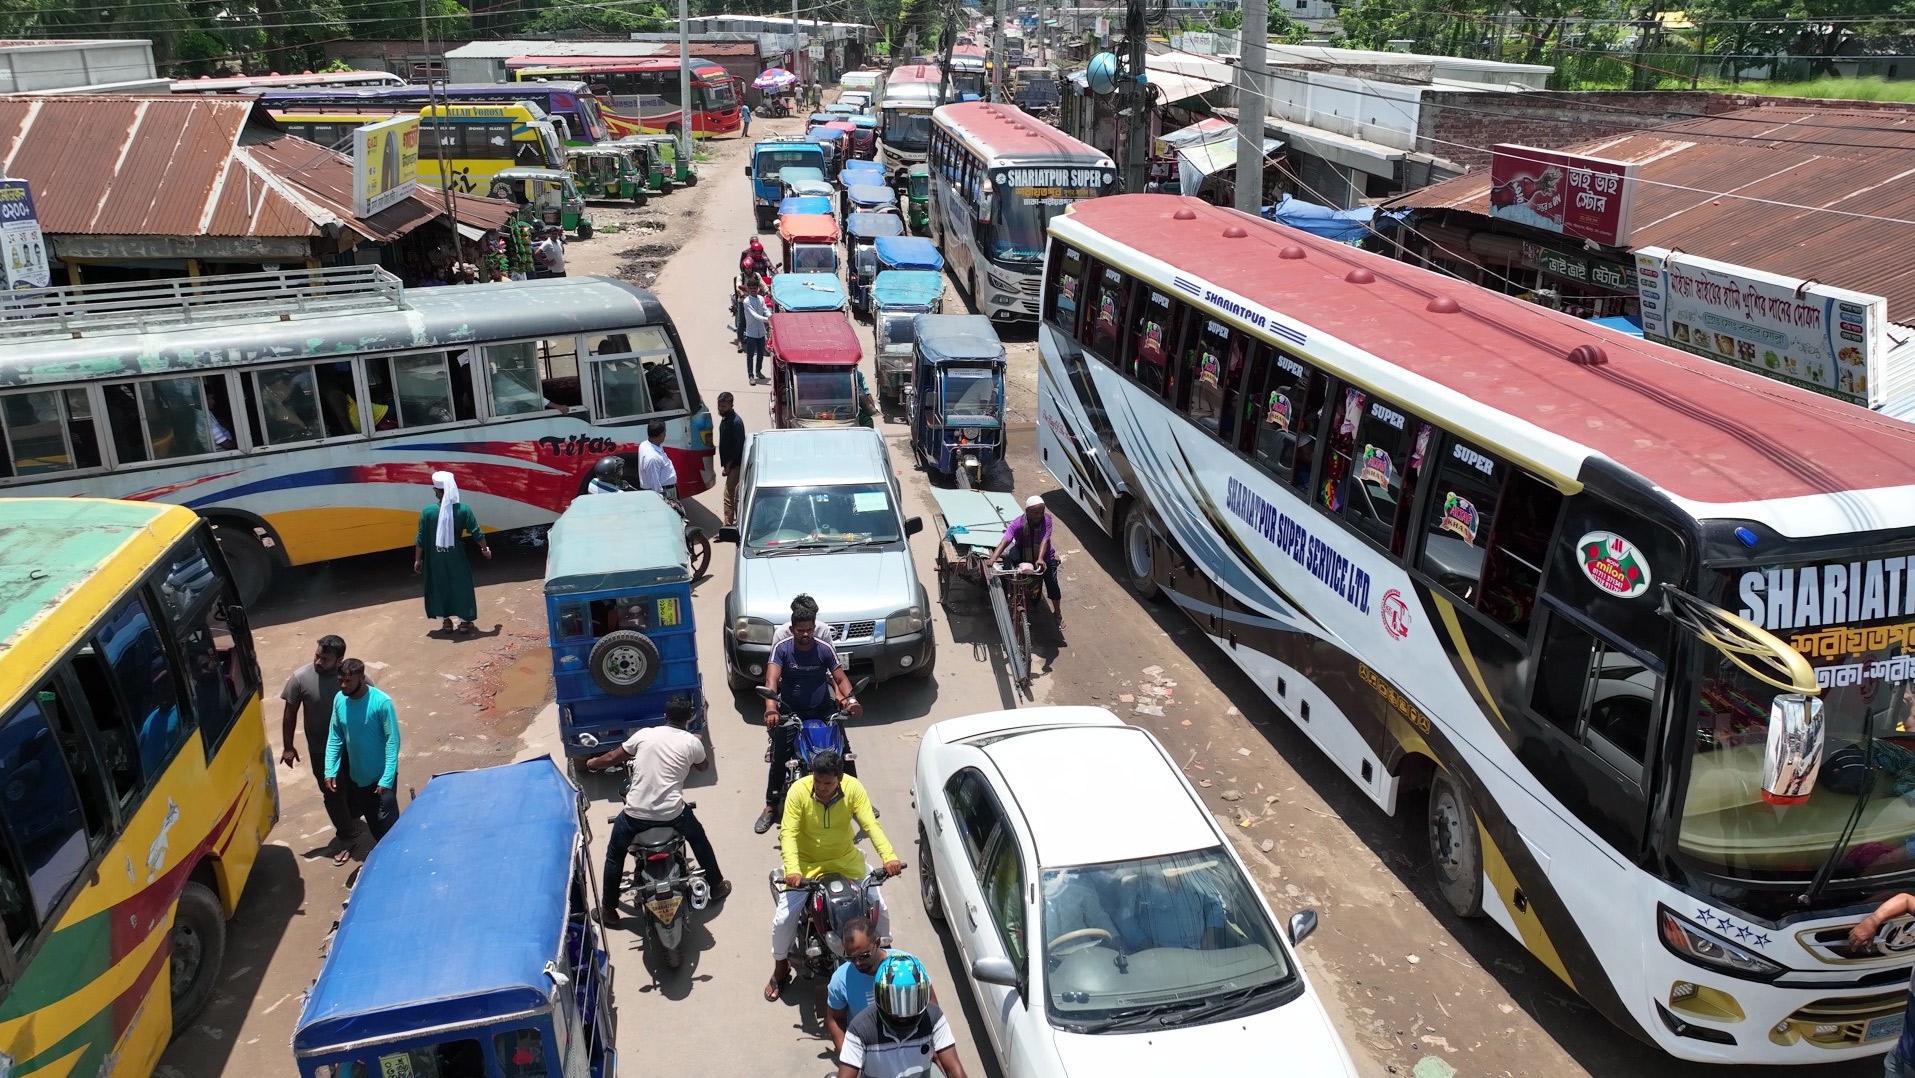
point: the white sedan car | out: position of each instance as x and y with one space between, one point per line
1108 926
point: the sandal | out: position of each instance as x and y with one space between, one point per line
342 856
445 625
775 988
467 627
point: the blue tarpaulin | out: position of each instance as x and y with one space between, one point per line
1621 323
1344 226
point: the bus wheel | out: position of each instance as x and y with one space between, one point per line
1455 848
198 946
247 557
1140 552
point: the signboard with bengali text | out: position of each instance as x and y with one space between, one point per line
21 243
1054 185
1589 198
385 164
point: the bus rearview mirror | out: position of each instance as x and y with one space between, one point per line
1794 751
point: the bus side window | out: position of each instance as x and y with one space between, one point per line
1180 343
1461 519
144 678
1067 275
48 430
16 914
219 673
1513 566
417 390
1212 368
1377 465
165 418
1151 341
1104 318
113 731
40 807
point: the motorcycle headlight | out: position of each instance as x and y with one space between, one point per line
905 622
1705 948
751 631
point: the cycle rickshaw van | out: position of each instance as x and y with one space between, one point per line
908 253
897 298
861 230
956 398
810 242
438 968
804 204
815 380
618 607
807 292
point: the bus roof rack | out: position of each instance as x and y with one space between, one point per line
141 306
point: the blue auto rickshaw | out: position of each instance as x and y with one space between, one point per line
804 204
957 394
832 143
618 602
861 230
897 298
857 172
819 119
908 253
468 945
807 292
870 198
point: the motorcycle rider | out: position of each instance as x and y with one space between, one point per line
662 757
817 838
808 679
901 1030
608 477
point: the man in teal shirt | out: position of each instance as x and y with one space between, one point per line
367 729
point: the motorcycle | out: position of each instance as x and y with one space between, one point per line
661 888
814 736
830 901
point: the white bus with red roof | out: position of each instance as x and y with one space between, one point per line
1635 626
998 176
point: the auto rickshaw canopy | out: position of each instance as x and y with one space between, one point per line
907 288
872 195
860 171
792 174
865 225
842 124
951 338
804 204
816 338
608 542
809 228
807 292
908 252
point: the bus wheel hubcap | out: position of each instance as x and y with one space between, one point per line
1445 827
186 957
1139 551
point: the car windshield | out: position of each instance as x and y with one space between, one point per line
814 258
1867 768
969 391
1160 937
769 163
907 129
896 332
827 515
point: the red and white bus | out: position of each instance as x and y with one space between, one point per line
639 95
1594 602
906 99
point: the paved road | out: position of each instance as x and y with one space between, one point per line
1412 989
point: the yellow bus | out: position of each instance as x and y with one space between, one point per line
470 143
136 786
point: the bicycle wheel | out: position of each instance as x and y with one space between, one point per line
699 547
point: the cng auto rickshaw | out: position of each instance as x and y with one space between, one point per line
793 204
856 174
618 606
833 144
956 396
664 158
797 175
544 196
814 372
861 230
848 147
807 292
606 171
810 242
870 198
469 945
864 139
907 253
917 186
897 298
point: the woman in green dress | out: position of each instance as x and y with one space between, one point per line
438 556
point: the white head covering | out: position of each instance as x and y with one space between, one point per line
1034 502
448 516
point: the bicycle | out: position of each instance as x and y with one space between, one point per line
1026 583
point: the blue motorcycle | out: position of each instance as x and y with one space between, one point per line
813 735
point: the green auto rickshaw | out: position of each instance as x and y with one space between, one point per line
606 171
918 189
663 169
544 196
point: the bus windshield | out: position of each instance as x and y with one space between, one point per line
1868 756
907 129
593 119
720 96
1016 231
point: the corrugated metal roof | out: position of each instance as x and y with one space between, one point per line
1858 161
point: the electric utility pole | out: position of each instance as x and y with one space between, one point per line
685 113
1037 48
1251 107
794 50
1137 132
944 56
997 53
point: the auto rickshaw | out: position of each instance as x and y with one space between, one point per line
956 394
844 126
907 253
897 298
807 292
841 108
871 198
819 119
834 143
618 605
606 171
544 196
664 157
810 242
861 230
512 979
815 380
804 204
917 186
856 172
864 140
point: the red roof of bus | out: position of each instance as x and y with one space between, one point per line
1702 430
612 65
914 73
1012 132
822 337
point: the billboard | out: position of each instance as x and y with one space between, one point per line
21 243
1808 334
385 164
1589 198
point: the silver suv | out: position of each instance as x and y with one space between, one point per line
819 515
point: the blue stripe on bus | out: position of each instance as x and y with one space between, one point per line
316 477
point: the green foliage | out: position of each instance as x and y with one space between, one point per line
635 19
1832 89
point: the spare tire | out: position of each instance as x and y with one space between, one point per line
624 663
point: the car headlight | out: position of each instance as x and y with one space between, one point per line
751 631
1705 948
905 622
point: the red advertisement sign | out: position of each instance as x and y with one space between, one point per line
1585 197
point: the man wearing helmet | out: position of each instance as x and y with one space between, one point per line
608 477
903 1032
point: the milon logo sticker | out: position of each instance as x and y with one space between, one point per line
1613 564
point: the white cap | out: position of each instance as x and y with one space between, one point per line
1033 502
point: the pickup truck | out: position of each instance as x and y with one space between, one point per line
768 156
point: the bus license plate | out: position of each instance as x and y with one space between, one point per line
1889 1025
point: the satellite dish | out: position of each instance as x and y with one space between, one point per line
1101 74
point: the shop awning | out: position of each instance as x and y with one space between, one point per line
1198 161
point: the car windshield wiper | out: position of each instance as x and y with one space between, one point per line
1132 1017
795 548
1228 1003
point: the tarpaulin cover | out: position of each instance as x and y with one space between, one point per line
813 204
908 252
615 542
822 338
874 224
868 194
1345 226
808 228
943 337
807 292
907 288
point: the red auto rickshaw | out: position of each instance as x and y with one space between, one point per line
815 380
810 242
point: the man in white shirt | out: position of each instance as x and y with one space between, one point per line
662 757
655 471
548 254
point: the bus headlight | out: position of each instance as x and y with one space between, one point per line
999 283
904 622
751 631
1705 948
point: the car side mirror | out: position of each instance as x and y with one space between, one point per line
1302 923
913 525
997 971
728 534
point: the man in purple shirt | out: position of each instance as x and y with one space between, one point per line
1028 539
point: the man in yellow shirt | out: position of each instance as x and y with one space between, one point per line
817 838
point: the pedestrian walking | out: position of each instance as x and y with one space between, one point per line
731 454
362 751
310 691
439 557
757 316
1900 1061
744 117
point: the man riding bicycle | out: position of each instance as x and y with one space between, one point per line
810 683
1027 541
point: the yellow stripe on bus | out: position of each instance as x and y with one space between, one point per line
1535 937
342 531
1448 613
55 1022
